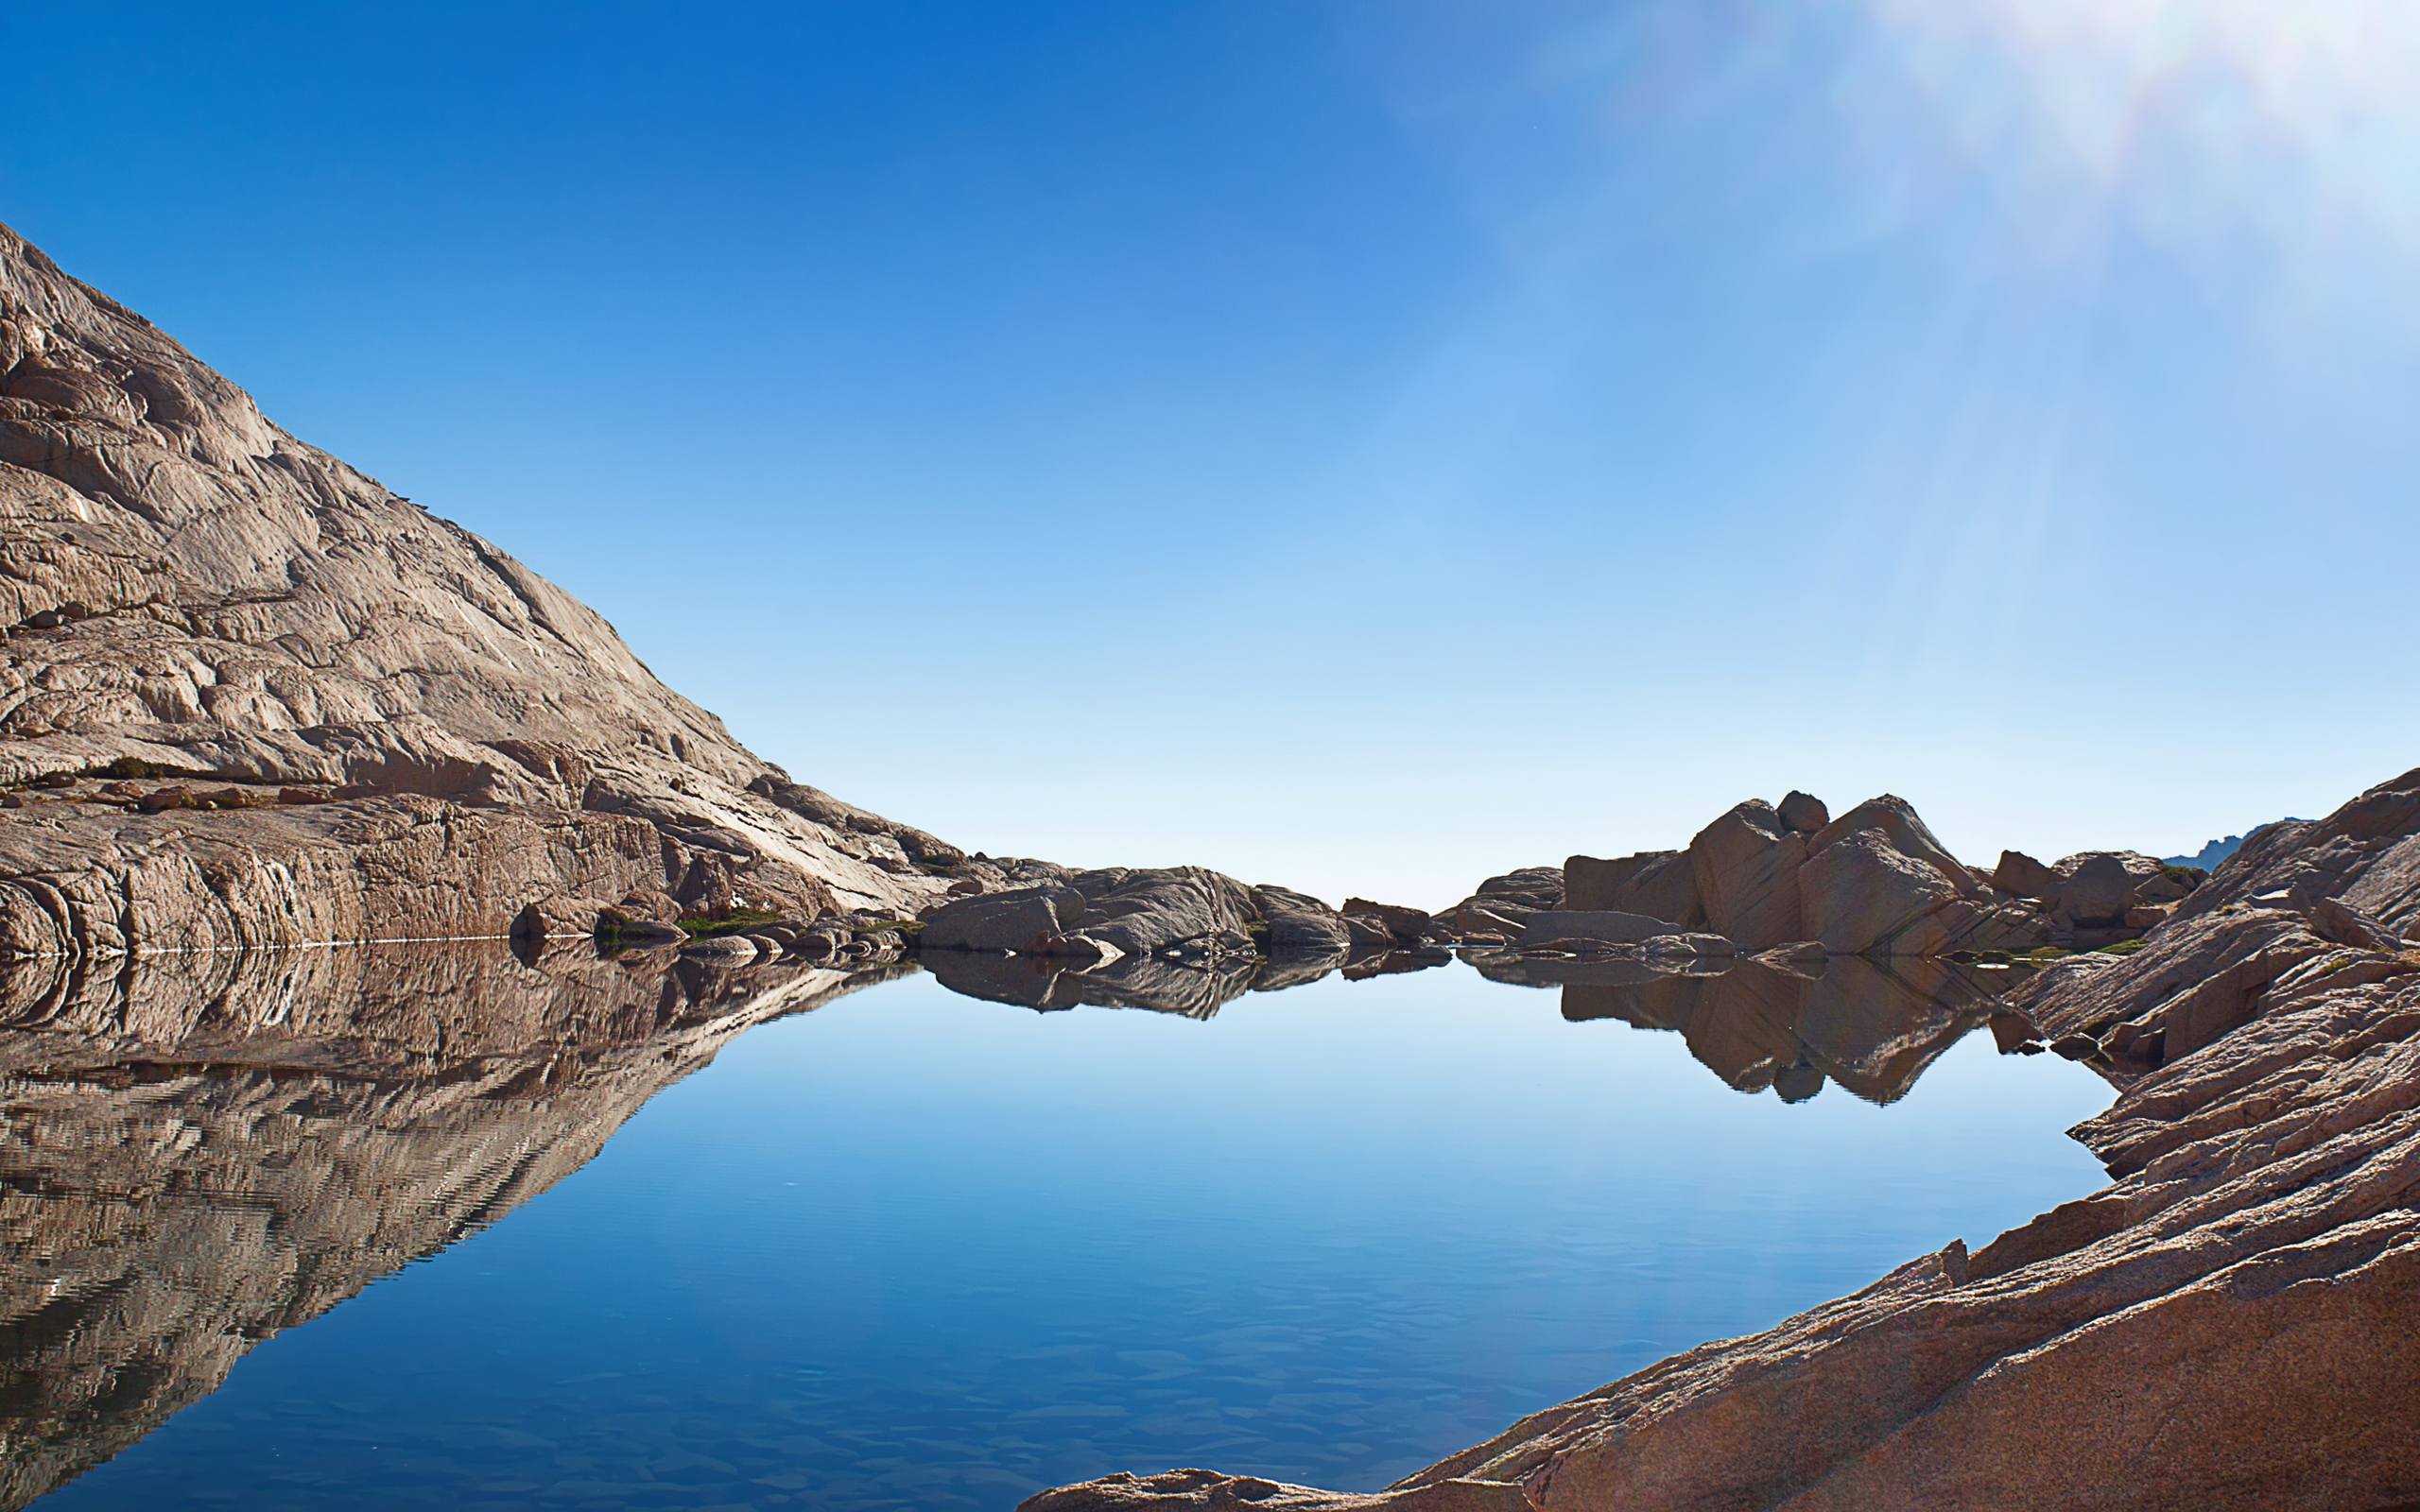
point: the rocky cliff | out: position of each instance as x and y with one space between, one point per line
249 695
2227 1325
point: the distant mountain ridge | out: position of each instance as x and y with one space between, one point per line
2208 857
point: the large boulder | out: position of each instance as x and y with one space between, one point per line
1384 926
1143 911
2022 876
1495 912
1593 926
1877 882
2097 892
1296 926
1025 920
1861 894
1746 866
1661 883
1804 813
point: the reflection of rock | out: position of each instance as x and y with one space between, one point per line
1873 1027
1392 963
192 1162
1180 939
1194 988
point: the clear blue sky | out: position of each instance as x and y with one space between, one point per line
1364 445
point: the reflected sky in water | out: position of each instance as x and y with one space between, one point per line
916 1250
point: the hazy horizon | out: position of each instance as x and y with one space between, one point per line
1359 446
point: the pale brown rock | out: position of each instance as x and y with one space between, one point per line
1601 926
185 585
1023 920
2097 892
1660 884
1382 925
1877 882
1495 912
1296 926
2334 920
1746 864
1804 813
2025 877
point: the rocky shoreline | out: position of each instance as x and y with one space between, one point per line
2227 1325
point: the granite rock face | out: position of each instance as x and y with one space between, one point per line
2227 1325
1874 882
314 712
1500 908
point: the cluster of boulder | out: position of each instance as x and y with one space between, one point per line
1790 877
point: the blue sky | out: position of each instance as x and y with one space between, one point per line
1363 445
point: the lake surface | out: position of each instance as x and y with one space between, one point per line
916 1250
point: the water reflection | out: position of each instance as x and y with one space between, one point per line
198 1154
1870 1025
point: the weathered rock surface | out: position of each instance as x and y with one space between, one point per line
1747 865
1661 883
1497 911
1804 812
1874 881
2022 876
1594 926
231 624
1178 938
2367 854
202 1151
2097 892
2227 1325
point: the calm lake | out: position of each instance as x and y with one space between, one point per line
917 1250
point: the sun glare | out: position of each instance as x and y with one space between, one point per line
2284 116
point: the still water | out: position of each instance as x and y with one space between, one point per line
916 1250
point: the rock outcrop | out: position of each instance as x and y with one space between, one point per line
2227 1325
1500 908
249 695
1178 939
1873 881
